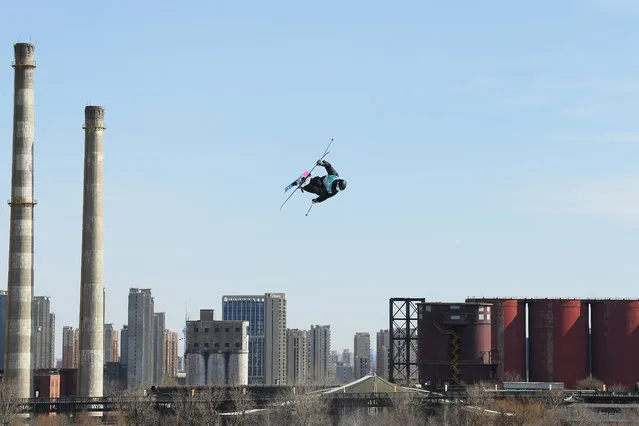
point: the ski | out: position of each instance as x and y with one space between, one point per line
297 181
326 152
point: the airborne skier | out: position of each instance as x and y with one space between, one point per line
325 186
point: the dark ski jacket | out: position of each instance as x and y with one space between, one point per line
326 185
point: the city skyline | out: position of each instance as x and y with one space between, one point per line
116 337
511 150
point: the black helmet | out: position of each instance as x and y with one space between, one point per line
342 184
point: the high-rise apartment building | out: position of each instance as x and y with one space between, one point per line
3 324
159 322
171 354
43 333
333 359
319 344
216 351
347 357
70 347
275 339
251 309
108 343
140 338
297 353
343 372
115 347
361 354
124 345
383 347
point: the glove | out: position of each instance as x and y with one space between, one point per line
320 162
314 200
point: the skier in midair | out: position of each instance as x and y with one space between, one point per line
325 186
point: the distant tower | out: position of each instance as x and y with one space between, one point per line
140 338
91 368
17 365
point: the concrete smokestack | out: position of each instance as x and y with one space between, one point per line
91 366
17 365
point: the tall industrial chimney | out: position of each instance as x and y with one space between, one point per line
17 364
91 365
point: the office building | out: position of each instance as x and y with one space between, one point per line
267 333
251 309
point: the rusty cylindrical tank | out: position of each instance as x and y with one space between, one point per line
454 342
615 342
508 336
558 341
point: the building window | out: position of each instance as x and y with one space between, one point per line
226 345
237 345
237 329
227 329
196 329
206 329
195 345
217 345
206 345
217 329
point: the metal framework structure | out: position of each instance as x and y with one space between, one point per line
402 357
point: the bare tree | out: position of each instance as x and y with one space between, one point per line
46 420
136 408
590 383
185 406
113 387
87 421
310 409
10 405
510 376
517 411
573 415
211 400
479 398
170 381
480 395
618 387
406 408
242 402
359 417
552 399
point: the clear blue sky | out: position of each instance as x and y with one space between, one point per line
490 150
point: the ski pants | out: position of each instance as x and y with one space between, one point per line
314 186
